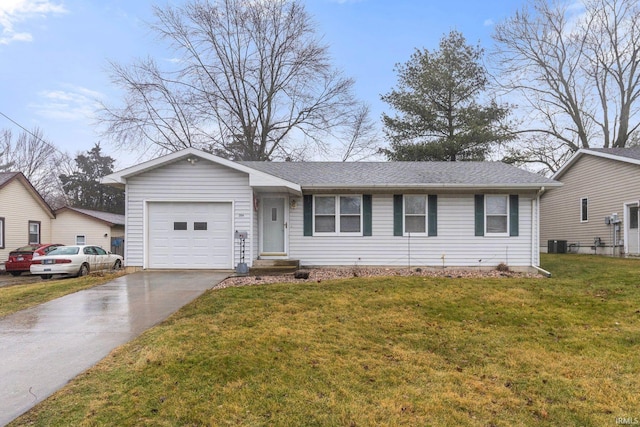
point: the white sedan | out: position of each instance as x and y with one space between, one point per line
75 261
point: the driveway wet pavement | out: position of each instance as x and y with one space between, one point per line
44 347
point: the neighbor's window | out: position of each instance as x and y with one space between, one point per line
415 214
1 233
496 214
338 214
34 232
633 217
81 239
584 212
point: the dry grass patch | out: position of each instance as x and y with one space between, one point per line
378 351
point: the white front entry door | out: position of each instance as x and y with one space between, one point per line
633 231
273 225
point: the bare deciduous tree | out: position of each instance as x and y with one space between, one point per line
36 158
249 75
576 71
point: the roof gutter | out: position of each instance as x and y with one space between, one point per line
539 187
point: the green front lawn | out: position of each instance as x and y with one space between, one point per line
380 351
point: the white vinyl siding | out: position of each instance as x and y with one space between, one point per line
182 182
18 206
70 227
456 244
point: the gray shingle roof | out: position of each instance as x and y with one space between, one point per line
632 152
112 218
386 174
6 177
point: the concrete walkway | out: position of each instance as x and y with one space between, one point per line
44 347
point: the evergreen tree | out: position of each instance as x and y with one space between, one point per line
83 188
439 117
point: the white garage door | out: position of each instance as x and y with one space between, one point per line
190 235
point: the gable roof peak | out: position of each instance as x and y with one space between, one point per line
627 155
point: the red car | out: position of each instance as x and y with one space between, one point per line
20 260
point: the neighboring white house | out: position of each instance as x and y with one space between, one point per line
596 209
75 226
25 218
185 210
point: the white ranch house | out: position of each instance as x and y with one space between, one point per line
183 211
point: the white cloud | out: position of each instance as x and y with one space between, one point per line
13 12
71 103
488 22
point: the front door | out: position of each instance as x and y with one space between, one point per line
633 232
273 226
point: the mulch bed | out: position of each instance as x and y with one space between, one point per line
322 274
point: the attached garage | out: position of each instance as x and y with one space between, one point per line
190 235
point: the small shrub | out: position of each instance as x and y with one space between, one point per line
502 267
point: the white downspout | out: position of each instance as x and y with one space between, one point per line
535 253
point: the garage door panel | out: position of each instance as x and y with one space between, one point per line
205 243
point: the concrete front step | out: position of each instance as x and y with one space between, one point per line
273 266
276 263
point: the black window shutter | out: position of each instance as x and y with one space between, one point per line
307 212
366 215
513 215
397 215
433 214
479 213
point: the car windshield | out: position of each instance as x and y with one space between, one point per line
65 250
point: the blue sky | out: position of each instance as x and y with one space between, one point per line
54 53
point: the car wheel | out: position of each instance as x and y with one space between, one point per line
16 273
46 276
117 265
84 270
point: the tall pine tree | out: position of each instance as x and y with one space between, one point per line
439 118
83 188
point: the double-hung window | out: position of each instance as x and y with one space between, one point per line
497 215
338 215
34 232
1 233
415 214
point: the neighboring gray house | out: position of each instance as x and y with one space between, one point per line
183 211
596 209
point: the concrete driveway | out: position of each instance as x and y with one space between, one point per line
43 347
